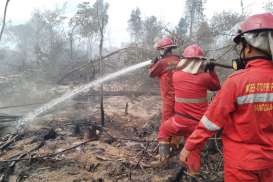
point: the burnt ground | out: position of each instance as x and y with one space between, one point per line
56 147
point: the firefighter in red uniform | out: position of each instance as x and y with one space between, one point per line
161 68
243 109
191 84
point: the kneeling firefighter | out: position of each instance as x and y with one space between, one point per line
191 84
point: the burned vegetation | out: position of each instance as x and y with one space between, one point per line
67 149
109 131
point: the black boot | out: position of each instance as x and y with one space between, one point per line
164 151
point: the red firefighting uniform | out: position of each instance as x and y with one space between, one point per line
243 109
161 70
190 105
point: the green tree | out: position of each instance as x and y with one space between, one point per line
91 21
152 30
135 25
180 31
49 35
41 42
194 14
223 22
182 26
204 35
22 35
84 23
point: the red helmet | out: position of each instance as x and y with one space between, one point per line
259 22
165 43
193 51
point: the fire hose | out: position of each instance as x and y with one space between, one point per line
207 61
215 63
223 65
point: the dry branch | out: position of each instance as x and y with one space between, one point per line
91 62
126 139
50 155
10 141
10 167
23 105
4 19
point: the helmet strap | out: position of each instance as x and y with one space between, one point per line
241 62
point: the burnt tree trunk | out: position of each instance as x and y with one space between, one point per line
101 87
4 19
101 31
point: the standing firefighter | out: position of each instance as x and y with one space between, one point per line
243 108
161 68
191 84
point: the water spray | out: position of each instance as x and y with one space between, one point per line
32 115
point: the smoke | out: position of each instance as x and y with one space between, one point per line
32 115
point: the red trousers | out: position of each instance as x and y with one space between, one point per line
167 110
176 126
238 175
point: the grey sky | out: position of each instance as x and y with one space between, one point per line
168 11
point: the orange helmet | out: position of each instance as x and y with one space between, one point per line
259 22
193 51
165 43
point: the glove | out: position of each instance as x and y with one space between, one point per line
193 169
209 66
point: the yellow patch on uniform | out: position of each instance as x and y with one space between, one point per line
258 88
263 107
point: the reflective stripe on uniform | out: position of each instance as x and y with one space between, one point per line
253 98
190 100
184 115
209 125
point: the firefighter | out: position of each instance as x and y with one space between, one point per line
243 109
191 84
161 68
